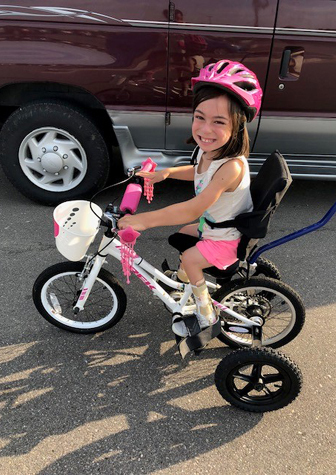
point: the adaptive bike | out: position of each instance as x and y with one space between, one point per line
257 312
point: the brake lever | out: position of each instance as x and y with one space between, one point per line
112 215
131 171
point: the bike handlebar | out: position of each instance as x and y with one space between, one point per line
133 192
131 198
129 204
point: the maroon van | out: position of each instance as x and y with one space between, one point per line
79 78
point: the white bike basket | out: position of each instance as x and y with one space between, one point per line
75 227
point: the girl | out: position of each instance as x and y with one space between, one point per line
226 96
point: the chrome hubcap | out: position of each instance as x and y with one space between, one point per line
53 159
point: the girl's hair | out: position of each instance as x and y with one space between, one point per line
239 143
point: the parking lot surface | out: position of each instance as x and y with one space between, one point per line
122 401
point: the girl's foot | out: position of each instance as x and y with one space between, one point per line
180 328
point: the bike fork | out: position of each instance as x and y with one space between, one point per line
88 282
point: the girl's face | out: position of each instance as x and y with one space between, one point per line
212 124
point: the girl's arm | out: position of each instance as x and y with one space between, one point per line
179 173
227 178
186 172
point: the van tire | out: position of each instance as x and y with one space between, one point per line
52 152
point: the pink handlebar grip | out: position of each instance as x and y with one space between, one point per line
148 165
131 198
128 235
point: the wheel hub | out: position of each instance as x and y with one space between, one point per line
259 386
254 311
52 162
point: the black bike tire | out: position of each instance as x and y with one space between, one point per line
77 267
272 284
226 369
266 268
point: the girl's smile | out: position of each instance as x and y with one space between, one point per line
212 125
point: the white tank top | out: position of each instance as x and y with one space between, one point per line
228 205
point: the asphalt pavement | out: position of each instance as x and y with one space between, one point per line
122 401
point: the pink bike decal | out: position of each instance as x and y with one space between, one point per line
143 279
82 295
219 305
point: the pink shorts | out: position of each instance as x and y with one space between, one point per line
220 254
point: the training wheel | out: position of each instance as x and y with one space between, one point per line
258 379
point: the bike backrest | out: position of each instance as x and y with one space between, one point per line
267 190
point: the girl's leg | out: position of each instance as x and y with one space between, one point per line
193 263
191 230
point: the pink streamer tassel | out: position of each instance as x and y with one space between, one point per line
148 190
128 239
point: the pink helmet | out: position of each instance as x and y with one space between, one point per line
235 79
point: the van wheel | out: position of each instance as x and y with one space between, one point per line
51 152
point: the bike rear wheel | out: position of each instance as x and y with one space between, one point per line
276 303
57 289
258 379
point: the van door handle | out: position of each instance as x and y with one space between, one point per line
291 63
286 56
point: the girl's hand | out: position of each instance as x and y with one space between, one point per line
155 177
136 222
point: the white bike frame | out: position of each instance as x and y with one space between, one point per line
149 275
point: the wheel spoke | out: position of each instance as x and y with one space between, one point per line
74 162
269 393
48 179
34 147
67 176
33 165
47 139
273 378
242 377
256 371
65 143
245 390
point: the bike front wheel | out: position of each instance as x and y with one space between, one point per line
279 306
56 292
